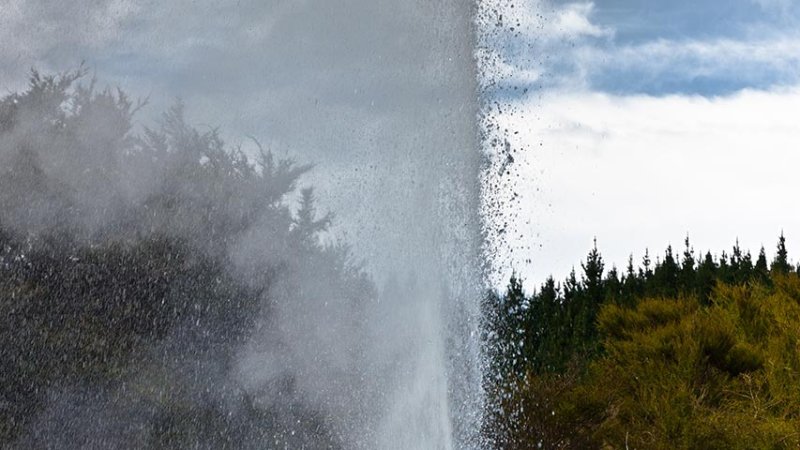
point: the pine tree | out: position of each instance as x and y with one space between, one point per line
587 304
706 276
631 285
306 224
741 265
571 287
593 274
736 259
761 268
612 288
665 275
629 272
510 328
724 271
746 272
544 343
648 272
687 273
781 262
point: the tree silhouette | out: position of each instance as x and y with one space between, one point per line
781 262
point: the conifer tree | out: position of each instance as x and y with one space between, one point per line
545 327
613 286
666 275
631 286
761 268
629 272
706 275
571 287
741 265
648 273
736 259
306 225
510 330
687 273
590 295
593 274
781 262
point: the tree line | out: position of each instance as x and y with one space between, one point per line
134 269
548 349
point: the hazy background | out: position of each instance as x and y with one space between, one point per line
350 85
381 96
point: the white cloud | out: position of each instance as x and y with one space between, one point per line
54 36
776 5
565 47
544 22
28 28
700 57
574 21
521 42
643 171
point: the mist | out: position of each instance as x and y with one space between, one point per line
359 329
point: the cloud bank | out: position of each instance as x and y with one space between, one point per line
640 172
627 49
637 123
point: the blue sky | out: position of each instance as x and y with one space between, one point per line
641 122
637 21
654 47
717 25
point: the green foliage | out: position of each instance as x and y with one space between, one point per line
116 278
679 355
781 263
557 323
704 378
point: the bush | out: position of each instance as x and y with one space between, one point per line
133 268
675 374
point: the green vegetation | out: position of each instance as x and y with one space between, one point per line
129 279
135 267
683 354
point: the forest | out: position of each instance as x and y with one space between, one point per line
129 287
689 351
140 267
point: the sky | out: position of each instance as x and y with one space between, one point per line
640 123
381 96
633 121
378 94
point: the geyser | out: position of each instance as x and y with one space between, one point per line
382 96
385 99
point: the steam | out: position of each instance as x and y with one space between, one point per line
381 95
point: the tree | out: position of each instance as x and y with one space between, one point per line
118 292
544 327
593 294
706 276
781 262
666 275
687 271
593 274
306 224
761 269
632 283
687 371
510 328
648 272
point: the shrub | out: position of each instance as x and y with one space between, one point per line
676 374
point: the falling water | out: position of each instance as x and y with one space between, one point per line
409 201
382 96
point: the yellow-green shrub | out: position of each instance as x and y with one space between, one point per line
674 374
